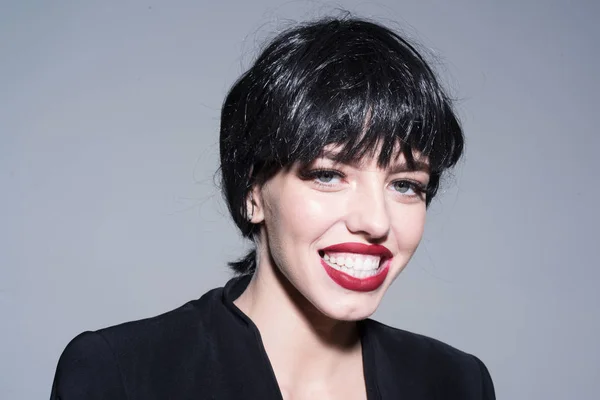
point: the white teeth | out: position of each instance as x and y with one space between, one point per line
353 261
358 264
360 274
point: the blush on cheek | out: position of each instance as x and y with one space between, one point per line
306 210
408 227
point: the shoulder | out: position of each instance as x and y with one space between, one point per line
87 369
436 363
102 361
411 344
161 336
176 326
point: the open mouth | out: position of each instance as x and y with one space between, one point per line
356 266
359 266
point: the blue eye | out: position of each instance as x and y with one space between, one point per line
408 188
326 176
402 186
323 177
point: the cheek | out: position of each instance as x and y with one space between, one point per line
295 219
408 224
305 215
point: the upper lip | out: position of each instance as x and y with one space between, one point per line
360 248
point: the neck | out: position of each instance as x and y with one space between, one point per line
302 343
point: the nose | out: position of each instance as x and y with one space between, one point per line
368 212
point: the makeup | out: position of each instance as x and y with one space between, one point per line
356 266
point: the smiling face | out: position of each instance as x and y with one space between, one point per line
340 234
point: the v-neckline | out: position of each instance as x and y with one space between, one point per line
238 284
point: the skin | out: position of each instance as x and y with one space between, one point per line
313 344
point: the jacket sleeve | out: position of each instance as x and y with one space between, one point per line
88 370
487 386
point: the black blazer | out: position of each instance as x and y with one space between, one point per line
209 349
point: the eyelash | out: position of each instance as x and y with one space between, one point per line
315 173
418 188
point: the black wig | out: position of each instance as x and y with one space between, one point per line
348 82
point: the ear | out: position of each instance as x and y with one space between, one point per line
255 205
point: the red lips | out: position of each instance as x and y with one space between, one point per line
350 282
360 248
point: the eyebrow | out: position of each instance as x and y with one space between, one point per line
418 165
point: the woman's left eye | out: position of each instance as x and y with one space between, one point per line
408 188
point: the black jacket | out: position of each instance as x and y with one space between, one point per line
208 349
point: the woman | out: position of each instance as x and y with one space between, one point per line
332 146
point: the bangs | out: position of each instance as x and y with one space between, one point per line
369 95
345 83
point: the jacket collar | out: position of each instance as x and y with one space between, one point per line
373 368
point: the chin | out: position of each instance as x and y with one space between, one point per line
355 314
342 304
350 307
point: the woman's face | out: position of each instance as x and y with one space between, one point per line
341 234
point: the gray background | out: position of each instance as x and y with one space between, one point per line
109 212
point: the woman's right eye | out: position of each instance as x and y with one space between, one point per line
325 177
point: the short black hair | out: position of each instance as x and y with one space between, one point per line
343 81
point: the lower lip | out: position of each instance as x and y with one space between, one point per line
349 282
